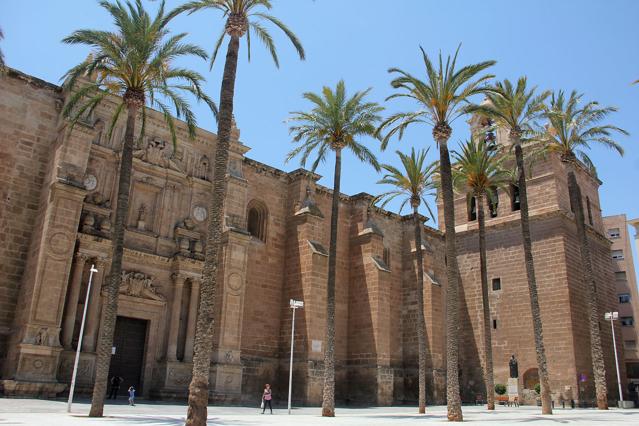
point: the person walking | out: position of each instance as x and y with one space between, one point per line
132 396
267 395
115 386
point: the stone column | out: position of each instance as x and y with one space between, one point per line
174 325
71 307
93 312
190 328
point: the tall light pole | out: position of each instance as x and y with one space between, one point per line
77 351
295 304
612 317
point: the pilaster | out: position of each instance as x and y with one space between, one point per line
174 324
228 370
71 307
369 305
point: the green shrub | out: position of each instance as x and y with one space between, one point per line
538 388
500 389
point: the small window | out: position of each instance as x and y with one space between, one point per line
630 344
589 210
494 324
496 284
387 256
617 254
620 275
493 203
614 233
624 298
472 209
515 203
257 219
627 321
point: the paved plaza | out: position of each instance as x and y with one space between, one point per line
53 413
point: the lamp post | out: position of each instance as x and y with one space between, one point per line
295 304
77 351
612 317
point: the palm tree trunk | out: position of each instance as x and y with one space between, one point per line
546 404
110 307
421 321
328 403
452 288
598 367
199 387
488 349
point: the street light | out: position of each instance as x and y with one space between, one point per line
612 317
295 304
77 350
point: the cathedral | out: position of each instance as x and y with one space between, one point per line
57 195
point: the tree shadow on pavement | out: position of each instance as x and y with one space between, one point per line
167 421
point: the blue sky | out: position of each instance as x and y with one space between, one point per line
587 45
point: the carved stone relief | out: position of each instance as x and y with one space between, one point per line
159 152
139 284
179 378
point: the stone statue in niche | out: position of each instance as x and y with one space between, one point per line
42 338
514 368
99 129
142 218
138 284
202 168
88 223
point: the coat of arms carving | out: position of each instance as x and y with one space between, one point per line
138 284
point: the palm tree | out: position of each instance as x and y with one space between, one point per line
134 63
413 184
441 99
572 129
516 109
240 18
478 171
336 122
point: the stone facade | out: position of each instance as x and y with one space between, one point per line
58 187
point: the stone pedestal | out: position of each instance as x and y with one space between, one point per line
36 372
86 371
513 388
175 377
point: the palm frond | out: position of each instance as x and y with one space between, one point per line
136 57
413 183
441 97
574 127
335 121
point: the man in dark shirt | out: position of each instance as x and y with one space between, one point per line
115 386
